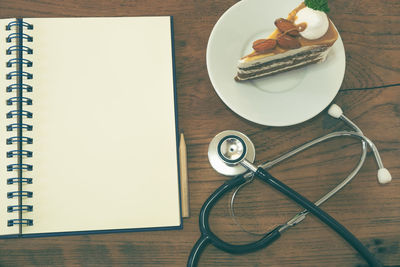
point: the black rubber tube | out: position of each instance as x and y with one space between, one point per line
320 214
207 236
197 249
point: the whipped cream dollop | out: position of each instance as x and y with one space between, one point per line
317 23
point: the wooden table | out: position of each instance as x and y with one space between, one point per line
370 96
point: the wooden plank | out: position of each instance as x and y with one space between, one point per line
370 33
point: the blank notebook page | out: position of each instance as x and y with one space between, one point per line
104 129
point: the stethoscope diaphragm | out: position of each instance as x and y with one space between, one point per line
227 148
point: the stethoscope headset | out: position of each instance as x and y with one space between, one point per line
232 153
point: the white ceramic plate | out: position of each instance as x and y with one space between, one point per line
279 100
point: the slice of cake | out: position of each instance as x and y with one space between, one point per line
303 38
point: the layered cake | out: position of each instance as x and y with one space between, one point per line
303 38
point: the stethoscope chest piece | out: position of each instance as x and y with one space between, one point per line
226 149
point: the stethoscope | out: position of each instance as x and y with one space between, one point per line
232 153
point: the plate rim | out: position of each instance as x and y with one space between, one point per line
339 81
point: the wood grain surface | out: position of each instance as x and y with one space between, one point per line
370 96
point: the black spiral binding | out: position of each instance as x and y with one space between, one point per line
18 63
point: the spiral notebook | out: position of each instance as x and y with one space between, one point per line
89 136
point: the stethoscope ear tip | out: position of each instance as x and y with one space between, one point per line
384 176
335 111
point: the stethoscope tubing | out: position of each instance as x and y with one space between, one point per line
358 135
268 165
219 243
319 213
208 237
